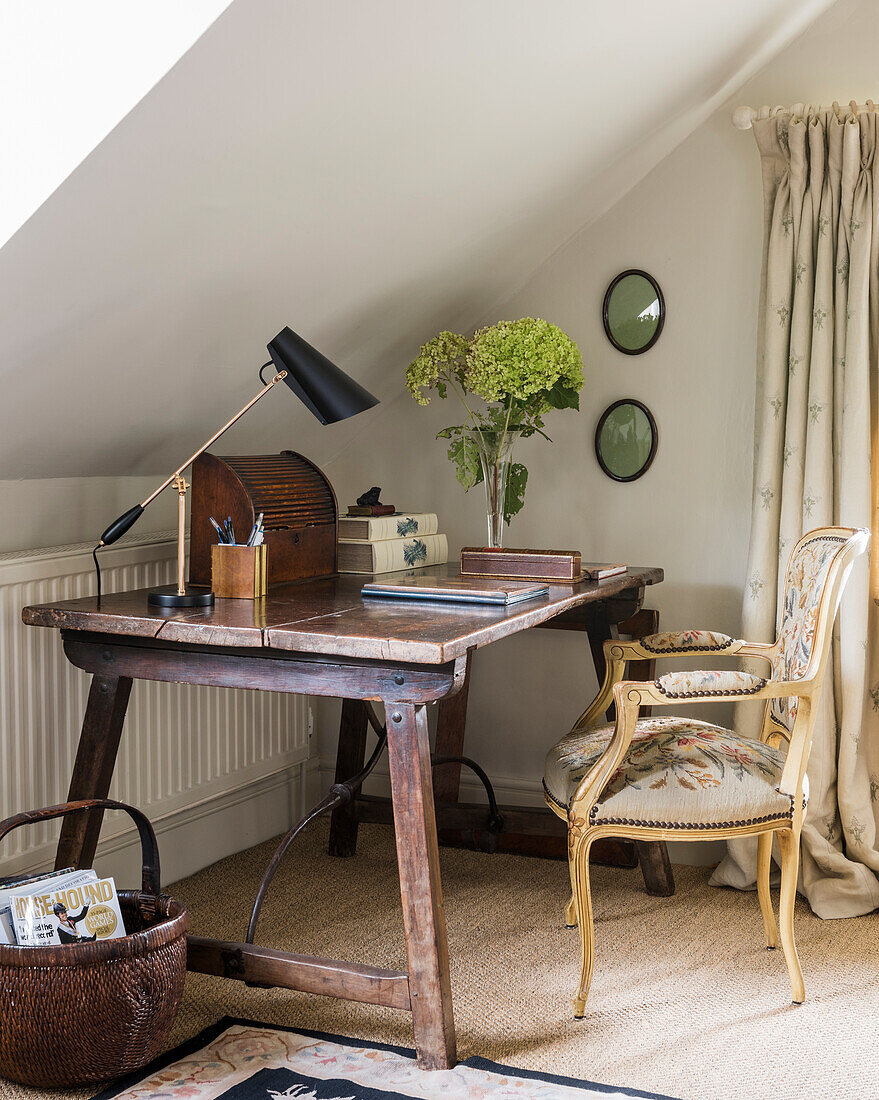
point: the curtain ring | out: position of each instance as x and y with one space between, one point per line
871 107
836 109
854 108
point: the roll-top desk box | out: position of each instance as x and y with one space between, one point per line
300 515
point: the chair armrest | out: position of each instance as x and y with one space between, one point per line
686 643
684 685
714 686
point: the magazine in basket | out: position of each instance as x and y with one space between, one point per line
31 884
68 910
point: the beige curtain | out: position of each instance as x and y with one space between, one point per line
815 419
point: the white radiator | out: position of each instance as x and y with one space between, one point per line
186 752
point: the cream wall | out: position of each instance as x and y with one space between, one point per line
694 222
56 511
62 89
689 513
361 172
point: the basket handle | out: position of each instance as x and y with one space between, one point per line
149 846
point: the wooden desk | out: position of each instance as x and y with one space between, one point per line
319 638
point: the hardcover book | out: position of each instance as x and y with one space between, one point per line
401 525
68 913
371 509
489 590
389 555
598 570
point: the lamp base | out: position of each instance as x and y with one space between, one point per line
168 596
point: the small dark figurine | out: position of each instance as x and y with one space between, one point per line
371 496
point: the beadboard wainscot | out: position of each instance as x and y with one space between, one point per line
215 769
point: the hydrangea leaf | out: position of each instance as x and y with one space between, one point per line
563 397
515 495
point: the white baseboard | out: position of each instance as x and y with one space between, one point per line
515 791
197 835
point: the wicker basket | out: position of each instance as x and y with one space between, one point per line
82 1013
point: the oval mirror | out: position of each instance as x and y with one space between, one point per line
634 312
626 440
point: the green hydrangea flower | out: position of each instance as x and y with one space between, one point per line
522 359
434 358
520 369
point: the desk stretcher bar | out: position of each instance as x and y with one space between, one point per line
264 966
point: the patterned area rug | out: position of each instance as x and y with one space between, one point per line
245 1060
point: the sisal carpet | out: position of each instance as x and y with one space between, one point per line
685 999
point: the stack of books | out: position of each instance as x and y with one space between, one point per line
385 544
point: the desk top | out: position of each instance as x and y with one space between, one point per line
331 617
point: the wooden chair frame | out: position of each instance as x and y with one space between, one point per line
630 696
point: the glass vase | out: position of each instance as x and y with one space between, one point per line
495 450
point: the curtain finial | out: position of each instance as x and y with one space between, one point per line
743 117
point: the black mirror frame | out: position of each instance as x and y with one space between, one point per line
653 446
623 275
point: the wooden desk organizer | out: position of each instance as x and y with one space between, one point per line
239 572
298 505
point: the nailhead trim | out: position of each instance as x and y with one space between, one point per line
705 694
552 797
687 648
593 813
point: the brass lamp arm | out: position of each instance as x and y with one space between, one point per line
126 521
278 378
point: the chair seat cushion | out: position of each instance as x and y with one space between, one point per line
677 773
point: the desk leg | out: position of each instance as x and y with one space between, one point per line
93 769
450 725
418 858
601 630
350 758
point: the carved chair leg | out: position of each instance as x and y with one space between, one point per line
571 907
789 846
764 863
583 903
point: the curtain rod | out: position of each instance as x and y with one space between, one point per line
743 117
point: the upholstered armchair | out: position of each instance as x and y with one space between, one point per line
679 778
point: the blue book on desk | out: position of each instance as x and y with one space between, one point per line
484 590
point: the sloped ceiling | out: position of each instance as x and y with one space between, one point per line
69 73
367 173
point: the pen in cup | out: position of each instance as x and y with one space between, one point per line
255 537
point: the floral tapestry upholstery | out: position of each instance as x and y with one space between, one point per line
684 641
678 772
678 685
799 617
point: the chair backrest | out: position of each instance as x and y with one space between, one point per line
817 571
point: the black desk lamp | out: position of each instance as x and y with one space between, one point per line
321 386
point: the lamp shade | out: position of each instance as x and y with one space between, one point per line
321 386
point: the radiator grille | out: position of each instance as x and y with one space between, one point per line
181 744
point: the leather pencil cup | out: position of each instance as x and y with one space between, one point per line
239 572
